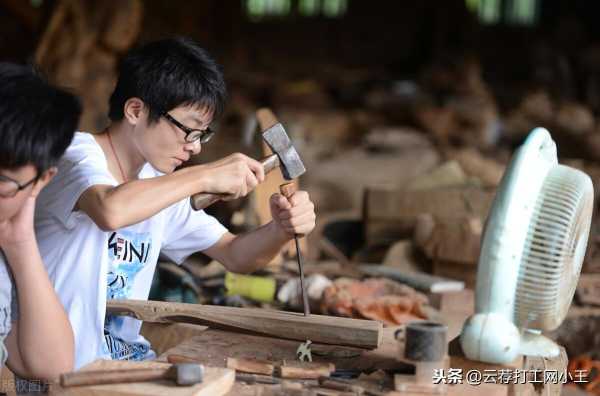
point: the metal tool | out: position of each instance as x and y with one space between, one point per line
303 352
184 374
291 168
284 156
287 190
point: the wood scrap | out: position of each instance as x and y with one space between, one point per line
305 370
438 237
341 385
390 214
318 328
252 366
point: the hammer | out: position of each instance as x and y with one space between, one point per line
284 156
184 374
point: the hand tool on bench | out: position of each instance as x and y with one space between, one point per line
284 156
183 374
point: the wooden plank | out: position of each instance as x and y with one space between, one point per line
217 381
291 325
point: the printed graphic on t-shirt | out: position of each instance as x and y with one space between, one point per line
127 254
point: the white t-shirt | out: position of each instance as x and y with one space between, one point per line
8 305
87 265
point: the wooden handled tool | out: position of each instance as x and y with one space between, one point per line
184 374
284 156
287 190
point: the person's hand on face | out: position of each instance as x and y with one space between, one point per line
19 228
293 216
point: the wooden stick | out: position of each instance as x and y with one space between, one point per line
321 329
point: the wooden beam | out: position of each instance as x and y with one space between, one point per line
290 325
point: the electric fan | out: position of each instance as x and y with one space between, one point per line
532 250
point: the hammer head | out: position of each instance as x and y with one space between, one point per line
186 374
290 163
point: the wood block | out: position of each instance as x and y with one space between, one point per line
305 370
291 325
439 237
217 381
253 366
389 213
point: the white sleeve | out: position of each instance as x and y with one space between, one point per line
82 166
189 231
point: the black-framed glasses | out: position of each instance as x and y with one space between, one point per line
191 135
10 187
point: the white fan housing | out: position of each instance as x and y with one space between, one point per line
532 249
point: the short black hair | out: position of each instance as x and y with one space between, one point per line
166 74
37 120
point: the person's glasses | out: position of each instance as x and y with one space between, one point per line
192 135
9 187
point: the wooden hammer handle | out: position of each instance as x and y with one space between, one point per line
99 377
266 118
288 189
204 200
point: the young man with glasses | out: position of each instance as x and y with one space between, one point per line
37 123
117 201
